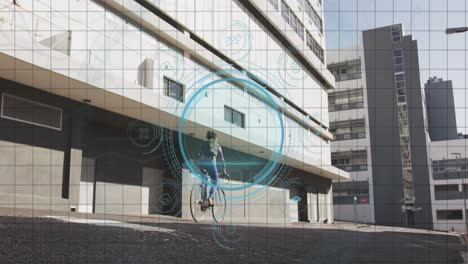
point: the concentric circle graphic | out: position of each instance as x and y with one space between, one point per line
204 88
269 169
235 40
227 236
171 63
297 189
289 70
147 137
169 200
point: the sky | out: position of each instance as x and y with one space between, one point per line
441 55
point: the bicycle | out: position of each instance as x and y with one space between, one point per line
199 202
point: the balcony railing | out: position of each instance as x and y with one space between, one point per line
349 136
449 195
449 175
348 106
360 199
354 167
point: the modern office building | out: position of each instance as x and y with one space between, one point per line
378 115
440 109
398 130
449 184
353 198
104 104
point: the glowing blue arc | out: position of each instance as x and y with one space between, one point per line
278 153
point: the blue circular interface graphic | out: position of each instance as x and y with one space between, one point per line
196 97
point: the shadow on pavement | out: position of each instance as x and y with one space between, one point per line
42 240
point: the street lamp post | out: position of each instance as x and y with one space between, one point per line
456 30
458 158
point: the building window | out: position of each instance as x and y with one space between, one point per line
447 192
355 160
314 46
345 192
400 77
313 15
449 169
300 29
274 3
174 89
234 117
285 11
31 112
397 53
396 33
349 129
293 20
346 70
449 215
346 100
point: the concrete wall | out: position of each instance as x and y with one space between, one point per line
34 167
262 204
362 213
419 134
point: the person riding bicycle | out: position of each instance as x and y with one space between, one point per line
210 150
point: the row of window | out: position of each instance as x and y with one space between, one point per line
175 90
31 112
351 199
449 192
315 47
312 14
355 160
292 19
348 129
289 16
449 165
345 71
345 100
396 33
405 146
35 113
449 214
450 169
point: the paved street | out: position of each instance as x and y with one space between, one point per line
65 239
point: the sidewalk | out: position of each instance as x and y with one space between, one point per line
165 219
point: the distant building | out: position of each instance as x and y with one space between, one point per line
440 109
378 116
353 199
398 128
449 184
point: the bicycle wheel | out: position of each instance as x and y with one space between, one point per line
219 207
197 204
